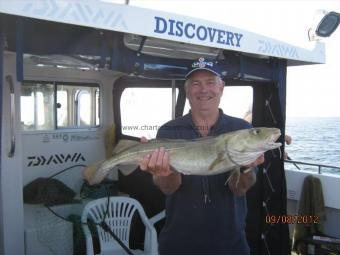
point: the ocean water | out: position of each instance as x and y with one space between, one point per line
315 140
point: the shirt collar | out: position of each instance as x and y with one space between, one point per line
214 128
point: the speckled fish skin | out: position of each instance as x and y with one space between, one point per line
202 156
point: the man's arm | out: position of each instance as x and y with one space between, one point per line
168 184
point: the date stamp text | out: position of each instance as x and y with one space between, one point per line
292 219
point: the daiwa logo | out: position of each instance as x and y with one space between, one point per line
279 50
55 159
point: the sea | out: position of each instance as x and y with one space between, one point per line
314 140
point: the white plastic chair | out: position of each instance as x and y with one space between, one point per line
118 217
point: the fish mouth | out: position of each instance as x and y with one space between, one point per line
272 145
270 142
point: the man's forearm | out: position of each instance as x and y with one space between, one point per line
168 184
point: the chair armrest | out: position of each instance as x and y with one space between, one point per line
159 216
150 240
88 239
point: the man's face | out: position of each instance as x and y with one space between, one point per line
204 91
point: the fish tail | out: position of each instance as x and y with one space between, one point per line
96 172
90 173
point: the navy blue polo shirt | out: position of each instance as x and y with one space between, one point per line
203 216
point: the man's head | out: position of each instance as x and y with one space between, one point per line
204 86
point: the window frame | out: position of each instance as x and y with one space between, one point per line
131 82
55 84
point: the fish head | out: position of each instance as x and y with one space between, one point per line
246 145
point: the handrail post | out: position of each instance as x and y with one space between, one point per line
11 152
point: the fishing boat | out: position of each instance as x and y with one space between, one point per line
78 76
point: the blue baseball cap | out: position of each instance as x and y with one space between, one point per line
203 64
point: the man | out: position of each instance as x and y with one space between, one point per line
203 215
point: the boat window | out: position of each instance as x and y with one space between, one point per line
37 106
74 105
144 110
236 101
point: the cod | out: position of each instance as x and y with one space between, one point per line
202 156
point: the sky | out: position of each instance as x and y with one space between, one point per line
312 91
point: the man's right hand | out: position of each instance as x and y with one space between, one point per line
156 163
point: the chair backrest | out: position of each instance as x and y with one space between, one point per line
118 213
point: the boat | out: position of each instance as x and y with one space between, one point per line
76 75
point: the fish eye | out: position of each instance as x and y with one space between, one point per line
256 131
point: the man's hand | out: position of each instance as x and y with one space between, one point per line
246 180
157 163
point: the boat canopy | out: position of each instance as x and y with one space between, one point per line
144 30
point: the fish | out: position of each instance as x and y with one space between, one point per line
202 156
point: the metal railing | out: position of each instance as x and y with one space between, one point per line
320 166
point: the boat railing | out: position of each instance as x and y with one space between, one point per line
319 166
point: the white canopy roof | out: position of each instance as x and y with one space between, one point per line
162 25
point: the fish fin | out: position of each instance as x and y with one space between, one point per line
182 140
220 158
127 169
234 177
123 145
90 171
168 140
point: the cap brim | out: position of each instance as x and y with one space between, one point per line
201 68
